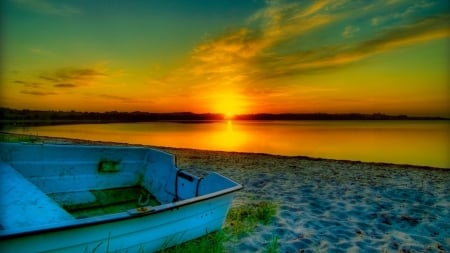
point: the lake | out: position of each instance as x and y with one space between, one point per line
424 143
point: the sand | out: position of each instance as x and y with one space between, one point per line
333 206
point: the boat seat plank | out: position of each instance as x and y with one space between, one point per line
23 204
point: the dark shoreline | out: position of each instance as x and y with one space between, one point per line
10 124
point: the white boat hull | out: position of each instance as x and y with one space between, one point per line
140 234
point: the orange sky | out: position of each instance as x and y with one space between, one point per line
227 57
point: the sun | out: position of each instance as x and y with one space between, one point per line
229 104
229 115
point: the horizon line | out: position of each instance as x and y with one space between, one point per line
242 116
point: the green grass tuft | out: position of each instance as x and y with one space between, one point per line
242 220
272 247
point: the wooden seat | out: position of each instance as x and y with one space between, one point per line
23 204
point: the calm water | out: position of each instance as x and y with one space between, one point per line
405 142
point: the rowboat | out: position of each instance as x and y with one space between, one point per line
94 198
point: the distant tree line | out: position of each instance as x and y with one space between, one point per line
36 117
27 117
14 114
328 116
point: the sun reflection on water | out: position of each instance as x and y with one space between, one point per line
227 137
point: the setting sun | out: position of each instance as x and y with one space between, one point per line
229 104
229 115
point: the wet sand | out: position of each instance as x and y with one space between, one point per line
333 206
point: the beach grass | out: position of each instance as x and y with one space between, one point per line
243 219
272 247
240 221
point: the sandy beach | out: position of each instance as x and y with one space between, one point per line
332 206
335 206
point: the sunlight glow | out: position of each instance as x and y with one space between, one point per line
229 104
229 116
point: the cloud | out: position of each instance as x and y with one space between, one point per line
62 80
64 85
47 7
28 84
400 15
339 55
377 20
48 78
281 21
38 93
251 55
73 76
426 29
231 59
113 97
349 31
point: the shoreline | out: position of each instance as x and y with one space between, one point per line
329 205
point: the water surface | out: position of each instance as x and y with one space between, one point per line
404 142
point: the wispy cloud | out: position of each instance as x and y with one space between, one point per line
281 21
20 82
330 57
28 84
349 31
64 85
47 7
232 60
74 76
38 93
429 28
113 97
257 52
60 81
401 14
